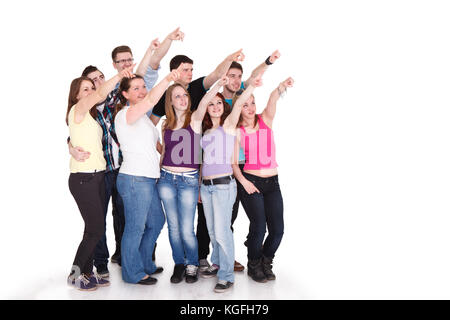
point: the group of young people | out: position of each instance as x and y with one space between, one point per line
214 151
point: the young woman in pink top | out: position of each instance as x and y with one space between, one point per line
259 190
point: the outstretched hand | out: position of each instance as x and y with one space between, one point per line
127 72
155 44
288 83
174 75
238 56
274 56
223 81
176 35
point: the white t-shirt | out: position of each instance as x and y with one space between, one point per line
138 145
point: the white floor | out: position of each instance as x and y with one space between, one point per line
54 287
319 258
51 282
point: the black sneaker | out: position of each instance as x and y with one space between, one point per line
191 273
99 280
223 286
116 257
178 273
82 283
102 270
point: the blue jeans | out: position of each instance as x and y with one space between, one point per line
179 195
264 210
144 219
218 203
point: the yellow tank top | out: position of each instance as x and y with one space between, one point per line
88 135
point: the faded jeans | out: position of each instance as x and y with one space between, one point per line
179 195
218 203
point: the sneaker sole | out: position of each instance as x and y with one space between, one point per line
176 280
91 289
103 285
223 290
207 276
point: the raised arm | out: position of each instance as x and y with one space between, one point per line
199 114
269 112
85 104
151 98
146 60
222 68
164 47
262 67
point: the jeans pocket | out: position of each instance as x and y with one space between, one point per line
192 182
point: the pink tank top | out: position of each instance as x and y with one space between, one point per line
259 147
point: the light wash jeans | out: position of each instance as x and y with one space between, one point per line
218 203
179 195
144 219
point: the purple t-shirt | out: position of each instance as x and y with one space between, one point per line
182 148
218 149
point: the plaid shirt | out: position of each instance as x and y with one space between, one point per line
105 120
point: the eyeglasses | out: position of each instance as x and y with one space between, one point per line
130 60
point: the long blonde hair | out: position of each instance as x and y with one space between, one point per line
239 124
171 120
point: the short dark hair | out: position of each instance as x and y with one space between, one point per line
236 65
89 69
179 59
120 49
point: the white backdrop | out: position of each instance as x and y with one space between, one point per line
362 138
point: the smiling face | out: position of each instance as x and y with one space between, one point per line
86 88
136 92
215 107
123 60
235 77
179 98
249 109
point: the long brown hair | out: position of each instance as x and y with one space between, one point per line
171 121
207 122
124 85
73 93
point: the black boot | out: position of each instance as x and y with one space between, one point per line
178 273
255 270
267 268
